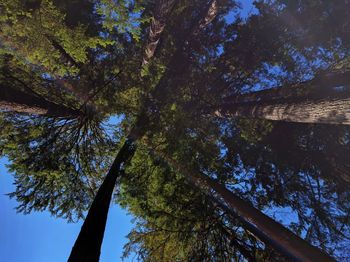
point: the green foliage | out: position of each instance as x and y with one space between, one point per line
86 56
123 16
57 166
174 221
253 130
39 36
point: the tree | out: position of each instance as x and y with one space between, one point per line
174 219
264 227
207 60
88 244
86 247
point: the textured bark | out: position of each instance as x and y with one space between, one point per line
325 99
21 102
209 16
161 13
158 23
326 111
267 229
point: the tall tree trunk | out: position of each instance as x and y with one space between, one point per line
88 244
267 229
314 101
22 102
326 111
161 13
87 247
264 227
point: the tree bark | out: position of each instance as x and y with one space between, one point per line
208 17
161 13
267 229
326 111
88 244
325 99
264 227
21 102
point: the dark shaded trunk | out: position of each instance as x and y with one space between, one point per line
87 247
325 111
180 60
22 102
161 13
265 228
88 244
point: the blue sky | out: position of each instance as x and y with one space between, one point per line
38 237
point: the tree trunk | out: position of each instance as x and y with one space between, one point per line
325 99
88 244
208 17
264 227
21 102
326 111
87 247
161 13
267 229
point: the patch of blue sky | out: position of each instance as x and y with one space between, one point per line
40 237
112 126
245 10
284 215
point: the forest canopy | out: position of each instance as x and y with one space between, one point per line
225 132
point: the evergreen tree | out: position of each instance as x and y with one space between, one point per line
163 68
